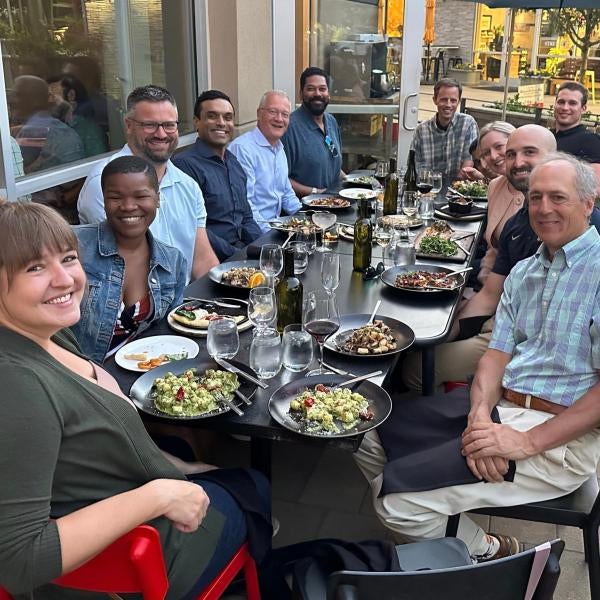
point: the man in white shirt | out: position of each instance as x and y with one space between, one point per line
261 154
151 130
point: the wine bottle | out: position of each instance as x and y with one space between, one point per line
288 293
390 198
363 238
410 178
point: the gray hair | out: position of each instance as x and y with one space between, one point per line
266 95
584 175
500 126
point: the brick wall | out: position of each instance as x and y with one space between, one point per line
454 24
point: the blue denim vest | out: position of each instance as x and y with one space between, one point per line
105 271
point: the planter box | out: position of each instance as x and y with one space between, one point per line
465 77
485 115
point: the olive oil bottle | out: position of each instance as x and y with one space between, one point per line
288 293
390 198
363 237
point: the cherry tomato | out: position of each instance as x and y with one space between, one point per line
308 402
180 395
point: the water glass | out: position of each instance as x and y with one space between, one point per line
309 237
265 353
402 249
223 340
427 207
271 261
436 177
300 256
330 272
262 307
297 348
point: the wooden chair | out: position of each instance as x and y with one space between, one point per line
134 564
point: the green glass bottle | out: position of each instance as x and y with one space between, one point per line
410 178
390 198
288 293
363 237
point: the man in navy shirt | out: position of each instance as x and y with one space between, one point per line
312 142
229 222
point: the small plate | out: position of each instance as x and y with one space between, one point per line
309 202
279 404
243 325
154 346
217 272
361 180
357 193
401 332
283 223
141 389
389 278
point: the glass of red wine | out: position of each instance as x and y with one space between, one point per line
321 319
382 168
425 181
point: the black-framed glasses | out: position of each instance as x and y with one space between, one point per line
152 126
332 147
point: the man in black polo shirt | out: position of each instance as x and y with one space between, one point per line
571 135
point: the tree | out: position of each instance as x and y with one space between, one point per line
580 24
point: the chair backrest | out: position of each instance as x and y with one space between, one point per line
503 579
133 563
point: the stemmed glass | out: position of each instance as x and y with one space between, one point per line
425 185
262 307
271 262
410 206
321 319
382 168
324 220
223 340
330 272
383 234
425 181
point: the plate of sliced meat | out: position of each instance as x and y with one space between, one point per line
422 279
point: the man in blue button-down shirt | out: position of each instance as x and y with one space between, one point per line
229 221
541 373
261 153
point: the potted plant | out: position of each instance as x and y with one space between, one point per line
465 74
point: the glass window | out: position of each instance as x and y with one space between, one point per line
69 66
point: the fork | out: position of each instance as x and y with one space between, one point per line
221 398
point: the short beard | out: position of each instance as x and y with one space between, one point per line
158 159
316 112
521 186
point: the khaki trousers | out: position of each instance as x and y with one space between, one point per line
421 515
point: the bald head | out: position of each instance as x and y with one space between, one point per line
525 148
29 95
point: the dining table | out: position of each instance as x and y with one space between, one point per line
430 316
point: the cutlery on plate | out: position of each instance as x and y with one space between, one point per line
462 237
242 397
356 379
456 192
334 369
467 252
455 273
234 369
193 303
289 237
370 321
229 403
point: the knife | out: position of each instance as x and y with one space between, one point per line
197 302
233 369
357 379
229 403
242 397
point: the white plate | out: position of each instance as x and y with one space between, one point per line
357 193
155 346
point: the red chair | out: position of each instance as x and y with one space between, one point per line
448 387
134 563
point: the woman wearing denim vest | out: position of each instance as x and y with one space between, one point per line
133 278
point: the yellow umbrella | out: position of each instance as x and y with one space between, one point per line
429 33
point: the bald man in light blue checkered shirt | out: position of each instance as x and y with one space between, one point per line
541 371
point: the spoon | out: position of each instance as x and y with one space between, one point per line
455 273
370 321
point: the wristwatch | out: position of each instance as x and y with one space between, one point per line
314 190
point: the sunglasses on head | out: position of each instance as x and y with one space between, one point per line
332 148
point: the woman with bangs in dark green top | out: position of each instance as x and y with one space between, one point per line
78 469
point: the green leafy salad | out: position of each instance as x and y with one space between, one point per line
190 395
473 189
436 244
323 410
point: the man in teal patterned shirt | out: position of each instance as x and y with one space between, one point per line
541 374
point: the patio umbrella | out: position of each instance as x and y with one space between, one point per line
527 4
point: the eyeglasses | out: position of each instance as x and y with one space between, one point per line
273 112
332 148
152 126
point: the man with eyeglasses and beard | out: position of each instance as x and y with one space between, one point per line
313 142
151 130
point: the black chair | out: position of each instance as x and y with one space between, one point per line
580 509
503 579
454 61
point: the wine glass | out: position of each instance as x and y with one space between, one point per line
383 234
330 272
425 181
223 340
262 307
308 237
321 319
324 220
436 181
382 169
410 206
271 262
